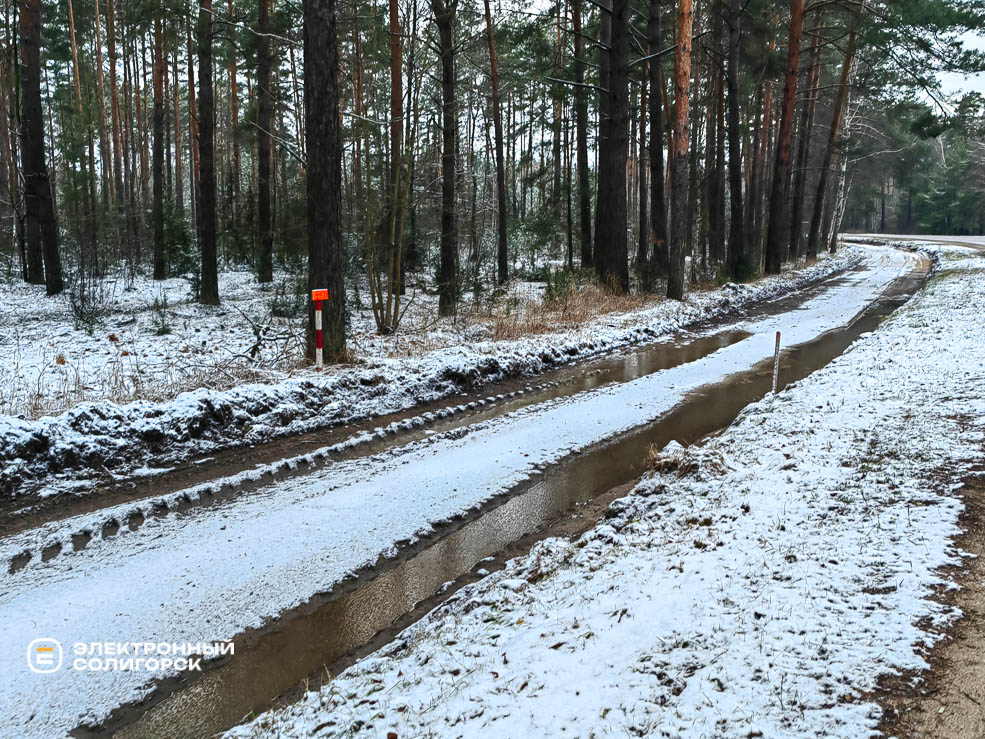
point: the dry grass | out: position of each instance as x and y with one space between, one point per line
571 310
59 384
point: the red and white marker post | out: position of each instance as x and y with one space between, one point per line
318 296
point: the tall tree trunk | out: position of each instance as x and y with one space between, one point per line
89 174
196 167
804 145
140 74
114 97
838 115
206 150
117 126
234 120
444 15
108 185
265 262
678 159
740 266
643 240
502 253
179 183
394 211
660 258
40 208
157 217
357 127
581 140
716 136
611 244
326 257
75 55
775 247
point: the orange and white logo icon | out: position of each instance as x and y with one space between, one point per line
44 655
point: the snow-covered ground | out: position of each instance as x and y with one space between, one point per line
972 241
755 586
133 350
206 348
212 573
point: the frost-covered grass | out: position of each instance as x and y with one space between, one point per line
151 341
755 586
145 340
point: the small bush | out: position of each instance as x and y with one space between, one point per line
289 299
162 326
89 303
182 251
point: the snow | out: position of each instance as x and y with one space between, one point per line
755 586
211 573
975 242
59 453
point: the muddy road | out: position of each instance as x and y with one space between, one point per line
308 563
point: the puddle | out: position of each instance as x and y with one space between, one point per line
329 631
494 401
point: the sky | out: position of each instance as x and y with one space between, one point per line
954 83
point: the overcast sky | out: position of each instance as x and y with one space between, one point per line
954 83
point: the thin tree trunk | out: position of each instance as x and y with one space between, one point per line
193 125
234 120
643 240
108 186
678 160
838 116
660 258
502 253
581 140
394 211
716 137
740 267
206 148
179 183
75 54
114 97
140 75
265 264
157 217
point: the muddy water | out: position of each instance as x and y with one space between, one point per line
495 400
327 633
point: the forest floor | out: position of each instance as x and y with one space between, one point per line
160 378
791 576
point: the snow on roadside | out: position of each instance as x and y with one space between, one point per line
757 586
57 453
